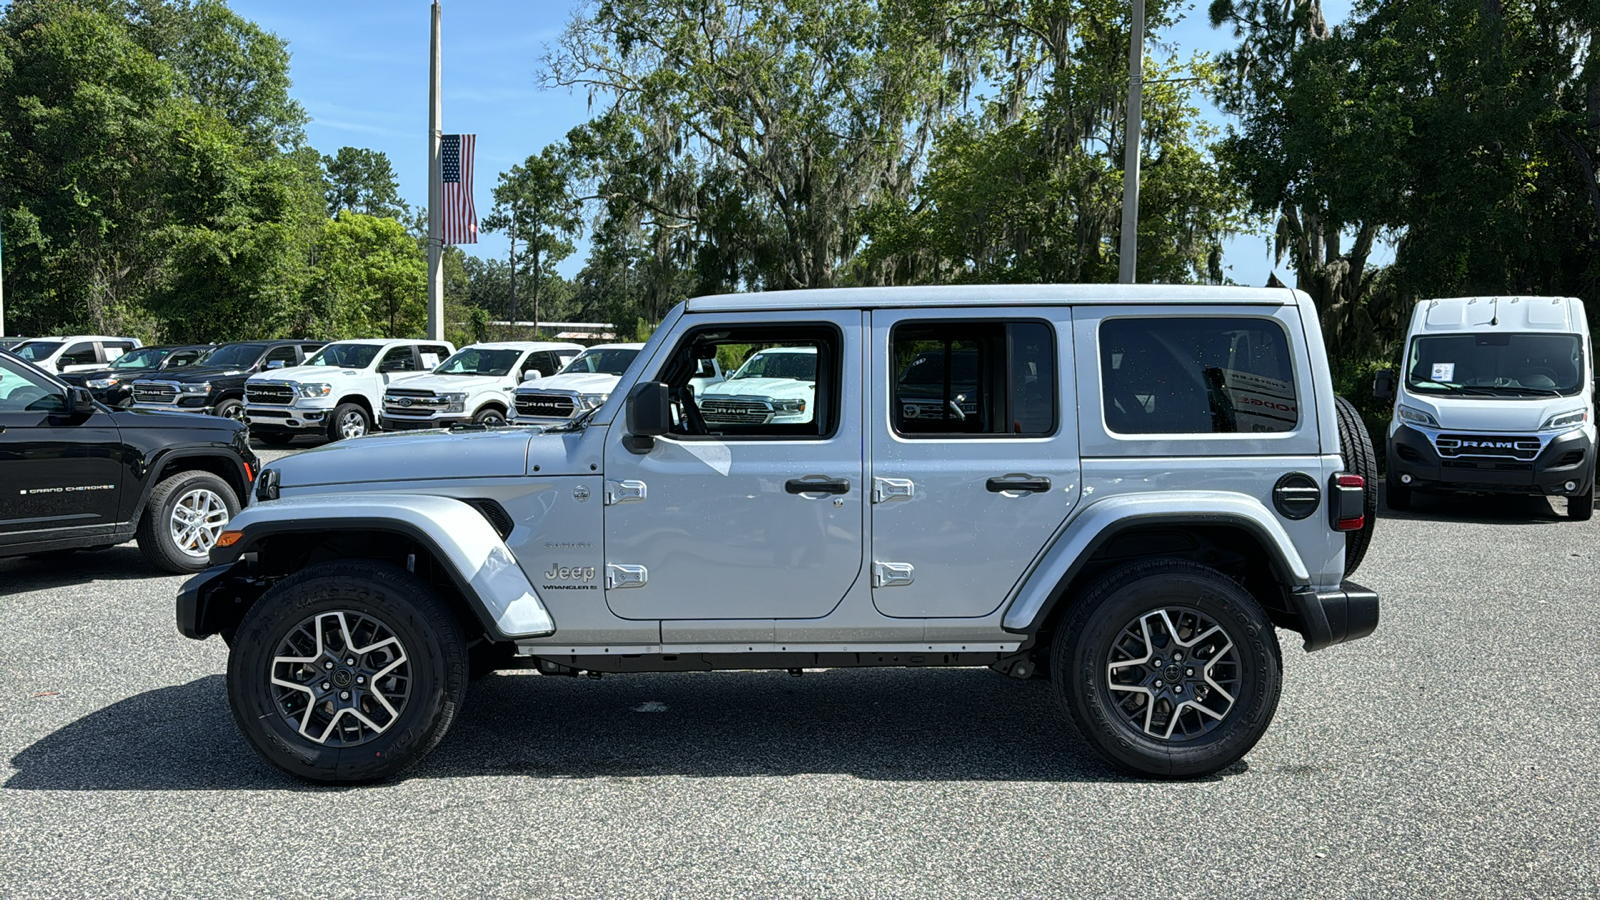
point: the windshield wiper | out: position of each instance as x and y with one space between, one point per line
576 424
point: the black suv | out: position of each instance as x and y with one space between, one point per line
75 474
216 386
113 385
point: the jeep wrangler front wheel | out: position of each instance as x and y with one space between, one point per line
347 672
1168 668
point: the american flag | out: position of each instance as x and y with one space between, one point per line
460 219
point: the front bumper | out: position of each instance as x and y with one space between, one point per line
1334 617
204 601
1566 458
286 419
400 423
203 410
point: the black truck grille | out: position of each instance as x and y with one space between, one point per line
551 406
152 392
1507 446
277 394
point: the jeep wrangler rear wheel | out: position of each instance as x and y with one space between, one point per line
1168 668
347 672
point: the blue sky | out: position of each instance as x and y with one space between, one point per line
360 68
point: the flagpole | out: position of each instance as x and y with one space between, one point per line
435 192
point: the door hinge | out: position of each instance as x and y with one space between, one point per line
886 489
619 577
625 492
892 574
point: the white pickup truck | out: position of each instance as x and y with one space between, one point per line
774 386
338 391
472 387
581 385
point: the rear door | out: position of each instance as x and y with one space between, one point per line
974 454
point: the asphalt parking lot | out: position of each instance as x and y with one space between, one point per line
1454 753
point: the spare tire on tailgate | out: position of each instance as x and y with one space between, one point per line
1355 445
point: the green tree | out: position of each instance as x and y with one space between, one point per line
363 181
369 279
533 204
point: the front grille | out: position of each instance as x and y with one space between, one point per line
720 411
1407 453
412 403
1570 458
1487 466
154 392
277 394
550 406
1501 445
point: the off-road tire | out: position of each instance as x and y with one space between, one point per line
155 537
1359 459
419 620
490 416
1083 652
229 409
1397 495
273 438
343 411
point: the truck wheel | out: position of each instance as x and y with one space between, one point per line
273 438
490 416
1356 445
186 513
1168 668
229 409
1398 495
347 672
349 421
1580 507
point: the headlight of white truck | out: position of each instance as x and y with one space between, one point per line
591 401
203 387
1570 419
454 403
313 390
1416 416
789 406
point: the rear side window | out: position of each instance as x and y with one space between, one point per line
973 378
80 354
1197 375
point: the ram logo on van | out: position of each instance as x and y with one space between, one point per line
1491 445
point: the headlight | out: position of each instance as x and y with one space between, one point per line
1569 419
1416 416
101 383
592 400
790 406
203 387
455 403
313 390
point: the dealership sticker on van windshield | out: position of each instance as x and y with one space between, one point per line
1444 371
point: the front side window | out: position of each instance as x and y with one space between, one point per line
280 358
1496 365
473 361
973 378
609 361
22 390
399 359
345 356
79 354
1197 375
146 358
785 382
235 356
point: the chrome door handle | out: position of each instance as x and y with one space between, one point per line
819 486
1024 483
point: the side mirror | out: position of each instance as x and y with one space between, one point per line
649 415
1383 385
79 401
275 363
531 375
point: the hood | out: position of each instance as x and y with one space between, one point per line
447 383
307 374
784 388
409 456
1492 414
192 374
177 421
578 383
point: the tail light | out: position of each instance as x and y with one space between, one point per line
1348 511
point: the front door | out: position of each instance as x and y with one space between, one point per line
974 454
753 507
58 473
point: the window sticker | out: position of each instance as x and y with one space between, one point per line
430 360
1443 372
113 353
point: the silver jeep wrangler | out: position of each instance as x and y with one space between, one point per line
1124 488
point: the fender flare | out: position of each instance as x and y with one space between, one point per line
466 545
220 451
1101 521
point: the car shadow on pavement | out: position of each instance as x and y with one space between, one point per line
121 563
1485 509
887 725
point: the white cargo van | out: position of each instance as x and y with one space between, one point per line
1494 394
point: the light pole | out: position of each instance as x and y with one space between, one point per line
1128 255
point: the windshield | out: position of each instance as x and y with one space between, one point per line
345 356
36 350
1496 365
476 361
613 361
796 366
144 358
235 356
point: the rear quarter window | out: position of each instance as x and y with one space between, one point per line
1197 375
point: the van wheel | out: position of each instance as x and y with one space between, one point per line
349 421
1356 446
1397 494
347 672
1580 507
1168 668
181 522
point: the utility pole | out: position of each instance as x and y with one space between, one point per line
2 288
435 192
1127 268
